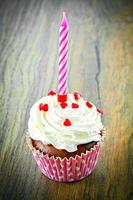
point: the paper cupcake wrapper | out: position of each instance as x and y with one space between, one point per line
66 170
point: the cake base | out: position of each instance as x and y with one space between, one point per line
52 151
74 168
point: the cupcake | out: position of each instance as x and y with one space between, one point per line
65 136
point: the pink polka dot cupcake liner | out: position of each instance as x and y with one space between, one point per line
64 169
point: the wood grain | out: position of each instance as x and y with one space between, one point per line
100 67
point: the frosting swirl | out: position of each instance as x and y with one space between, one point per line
48 126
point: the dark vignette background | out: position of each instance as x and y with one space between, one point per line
100 67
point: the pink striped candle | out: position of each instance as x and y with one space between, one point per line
63 57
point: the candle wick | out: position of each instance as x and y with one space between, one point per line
64 14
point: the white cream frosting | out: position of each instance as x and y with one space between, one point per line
48 126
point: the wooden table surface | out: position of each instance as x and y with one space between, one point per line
100 68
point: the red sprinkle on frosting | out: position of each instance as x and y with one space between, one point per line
88 105
75 105
63 105
67 122
51 93
43 107
62 98
76 95
100 111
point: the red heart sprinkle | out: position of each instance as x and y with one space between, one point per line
76 95
88 105
43 107
62 98
75 105
100 111
51 93
63 105
67 122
